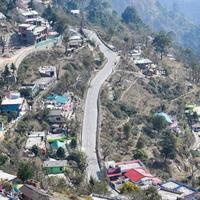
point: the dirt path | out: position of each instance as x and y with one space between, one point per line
127 89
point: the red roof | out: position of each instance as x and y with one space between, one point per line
134 175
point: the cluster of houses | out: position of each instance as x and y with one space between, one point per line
147 67
48 141
193 113
34 28
119 173
17 190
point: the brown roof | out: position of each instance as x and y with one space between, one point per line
32 193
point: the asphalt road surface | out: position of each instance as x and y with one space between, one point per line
89 129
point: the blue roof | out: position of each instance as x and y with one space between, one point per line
166 116
58 98
57 144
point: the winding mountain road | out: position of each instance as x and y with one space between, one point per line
21 54
89 129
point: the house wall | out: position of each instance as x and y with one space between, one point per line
10 108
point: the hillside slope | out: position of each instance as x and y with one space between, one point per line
158 18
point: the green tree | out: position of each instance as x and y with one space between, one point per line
131 17
73 143
127 130
25 171
13 67
6 185
60 153
152 193
100 187
168 144
161 43
3 159
6 71
159 122
80 158
35 150
141 155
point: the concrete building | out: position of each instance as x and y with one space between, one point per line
13 102
36 138
31 34
44 82
28 14
29 192
55 166
48 71
29 90
177 191
75 41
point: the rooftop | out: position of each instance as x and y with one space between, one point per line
55 113
166 116
6 176
75 37
24 25
7 101
39 29
43 81
33 193
75 11
58 99
173 189
56 163
35 138
142 61
29 13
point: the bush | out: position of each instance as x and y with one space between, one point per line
3 159
60 153
141 155
35 150
25 171
128 188
159 122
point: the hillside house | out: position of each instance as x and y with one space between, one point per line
75 12
28 14
177 191
48 71
29 192
129 171
58 102
55 145
54 166
31 34
143 63
44 82
167 118
29 90
38 139
56 117
75 41
13 102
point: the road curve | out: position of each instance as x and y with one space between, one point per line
89 129
23 53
